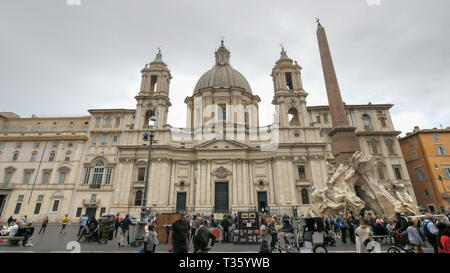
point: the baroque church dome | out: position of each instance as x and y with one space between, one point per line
222 75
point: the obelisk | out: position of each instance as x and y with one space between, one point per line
344 142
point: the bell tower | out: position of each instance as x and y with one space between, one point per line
153 99
289 93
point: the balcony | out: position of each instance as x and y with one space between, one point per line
91 203
94 186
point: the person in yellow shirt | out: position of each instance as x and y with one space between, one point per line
64 221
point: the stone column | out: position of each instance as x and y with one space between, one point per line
245 181
271 184
234 183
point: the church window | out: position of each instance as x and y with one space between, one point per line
367 123
398 172
104 139
305 196
138 198
148 117
87 174
141 174
108 176
293 116
153 83
390 145
222 112
383 122
301 172
33 156
289 83
98 173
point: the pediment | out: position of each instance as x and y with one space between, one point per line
220 145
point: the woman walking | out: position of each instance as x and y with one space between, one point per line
44 226
414 237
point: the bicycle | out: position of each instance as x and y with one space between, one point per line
401 243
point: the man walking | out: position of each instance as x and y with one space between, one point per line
430 231
83 223
116 224
202 237
64 222
180 235
44 226
226 226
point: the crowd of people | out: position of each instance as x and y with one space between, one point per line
199 231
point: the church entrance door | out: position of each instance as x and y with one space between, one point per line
262 201
181 201
221 197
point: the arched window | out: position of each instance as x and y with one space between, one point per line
293 117
367 123
138 198
148 115
305 196
98 173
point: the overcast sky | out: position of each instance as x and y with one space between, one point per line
57 58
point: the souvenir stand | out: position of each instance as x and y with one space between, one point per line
247 230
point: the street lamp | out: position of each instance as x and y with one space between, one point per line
140 234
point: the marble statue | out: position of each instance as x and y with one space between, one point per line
339 195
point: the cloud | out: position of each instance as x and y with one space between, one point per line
60 59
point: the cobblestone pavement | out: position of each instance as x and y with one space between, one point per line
53 242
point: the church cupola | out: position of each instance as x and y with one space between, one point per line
222 55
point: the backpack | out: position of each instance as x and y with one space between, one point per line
427 232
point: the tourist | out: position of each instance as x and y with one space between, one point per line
443 237
288 233
413 236
379 228
226 228
390 229
44 225
351 227
10 220
343 229
14 229
83 223
180 235
28 233
213 222
193 228
117 224
430 231
273 231
363 232
264 232
125 226
202 236
25 220
64 222
372 219
150 240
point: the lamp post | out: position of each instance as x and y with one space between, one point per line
140 234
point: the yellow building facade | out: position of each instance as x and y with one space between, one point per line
428 162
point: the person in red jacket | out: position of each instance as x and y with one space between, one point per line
443 238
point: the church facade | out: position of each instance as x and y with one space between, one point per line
223 161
